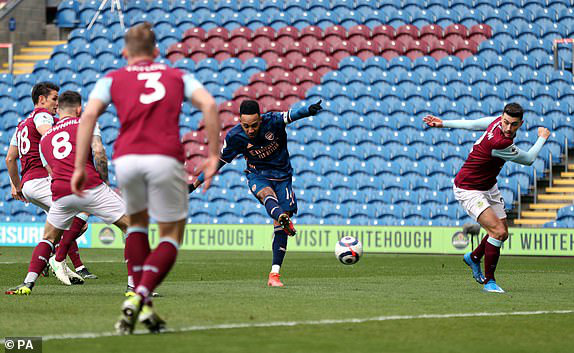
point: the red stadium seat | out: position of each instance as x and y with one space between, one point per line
279 63
383 31
329 64
269 54
246 52
294 91
311 31
479 32
392 49
368 49
215 42
245 92
193 42
302 71
416 49
195 32
241 32
265 31
226 52
270 91
455 30
177 51
345 50
407 31
465 49
287 77
230 106
309 77
295 52
220 32
286 41
239 42
318 54
200 53
334 41
431 31
356 41
288 31
192 167
337 31
308 41
193 149
267 104
262 77
438 49
359 30
194 136
305 62
261 42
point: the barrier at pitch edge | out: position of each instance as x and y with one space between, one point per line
30 234
380 239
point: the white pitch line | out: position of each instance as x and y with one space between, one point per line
302 323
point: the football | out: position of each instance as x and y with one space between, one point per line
348 250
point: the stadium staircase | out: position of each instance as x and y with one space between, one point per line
556 194
37 50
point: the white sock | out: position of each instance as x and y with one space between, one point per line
131 281
80 268
275 268
31 277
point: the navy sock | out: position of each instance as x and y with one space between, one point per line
279 245
272 206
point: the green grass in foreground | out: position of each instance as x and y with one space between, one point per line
212 288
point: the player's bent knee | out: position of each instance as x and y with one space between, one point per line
500 234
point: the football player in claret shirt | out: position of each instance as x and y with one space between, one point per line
262 140
34 186
475 186
148 157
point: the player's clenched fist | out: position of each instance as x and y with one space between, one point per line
432 121
543 132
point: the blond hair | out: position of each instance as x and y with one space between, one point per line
140 40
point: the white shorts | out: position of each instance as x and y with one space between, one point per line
38 192
153 182
474 202
100 201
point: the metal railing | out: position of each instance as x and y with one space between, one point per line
10 48
550 164
519 201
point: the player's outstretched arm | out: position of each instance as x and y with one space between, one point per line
94 109
303 112
516 155
478 124
205 102
12 165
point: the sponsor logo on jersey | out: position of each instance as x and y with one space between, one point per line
460 240
107 235
269 135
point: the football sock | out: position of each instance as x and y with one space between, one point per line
68 238
478 253
74 255
157 266
39 259
136 251
491 255
272 206
279 247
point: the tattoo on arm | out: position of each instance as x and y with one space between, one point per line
100 158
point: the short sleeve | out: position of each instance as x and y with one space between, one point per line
97 131
14 139
231 148
42 158
43 118
190 84
102 90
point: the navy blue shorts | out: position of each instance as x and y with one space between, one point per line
283 190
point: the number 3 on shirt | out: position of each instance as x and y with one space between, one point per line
151 81
62 145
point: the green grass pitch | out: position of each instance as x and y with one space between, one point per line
208 289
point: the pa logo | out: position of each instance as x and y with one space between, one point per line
269 135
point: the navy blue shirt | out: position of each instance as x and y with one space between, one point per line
267 153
